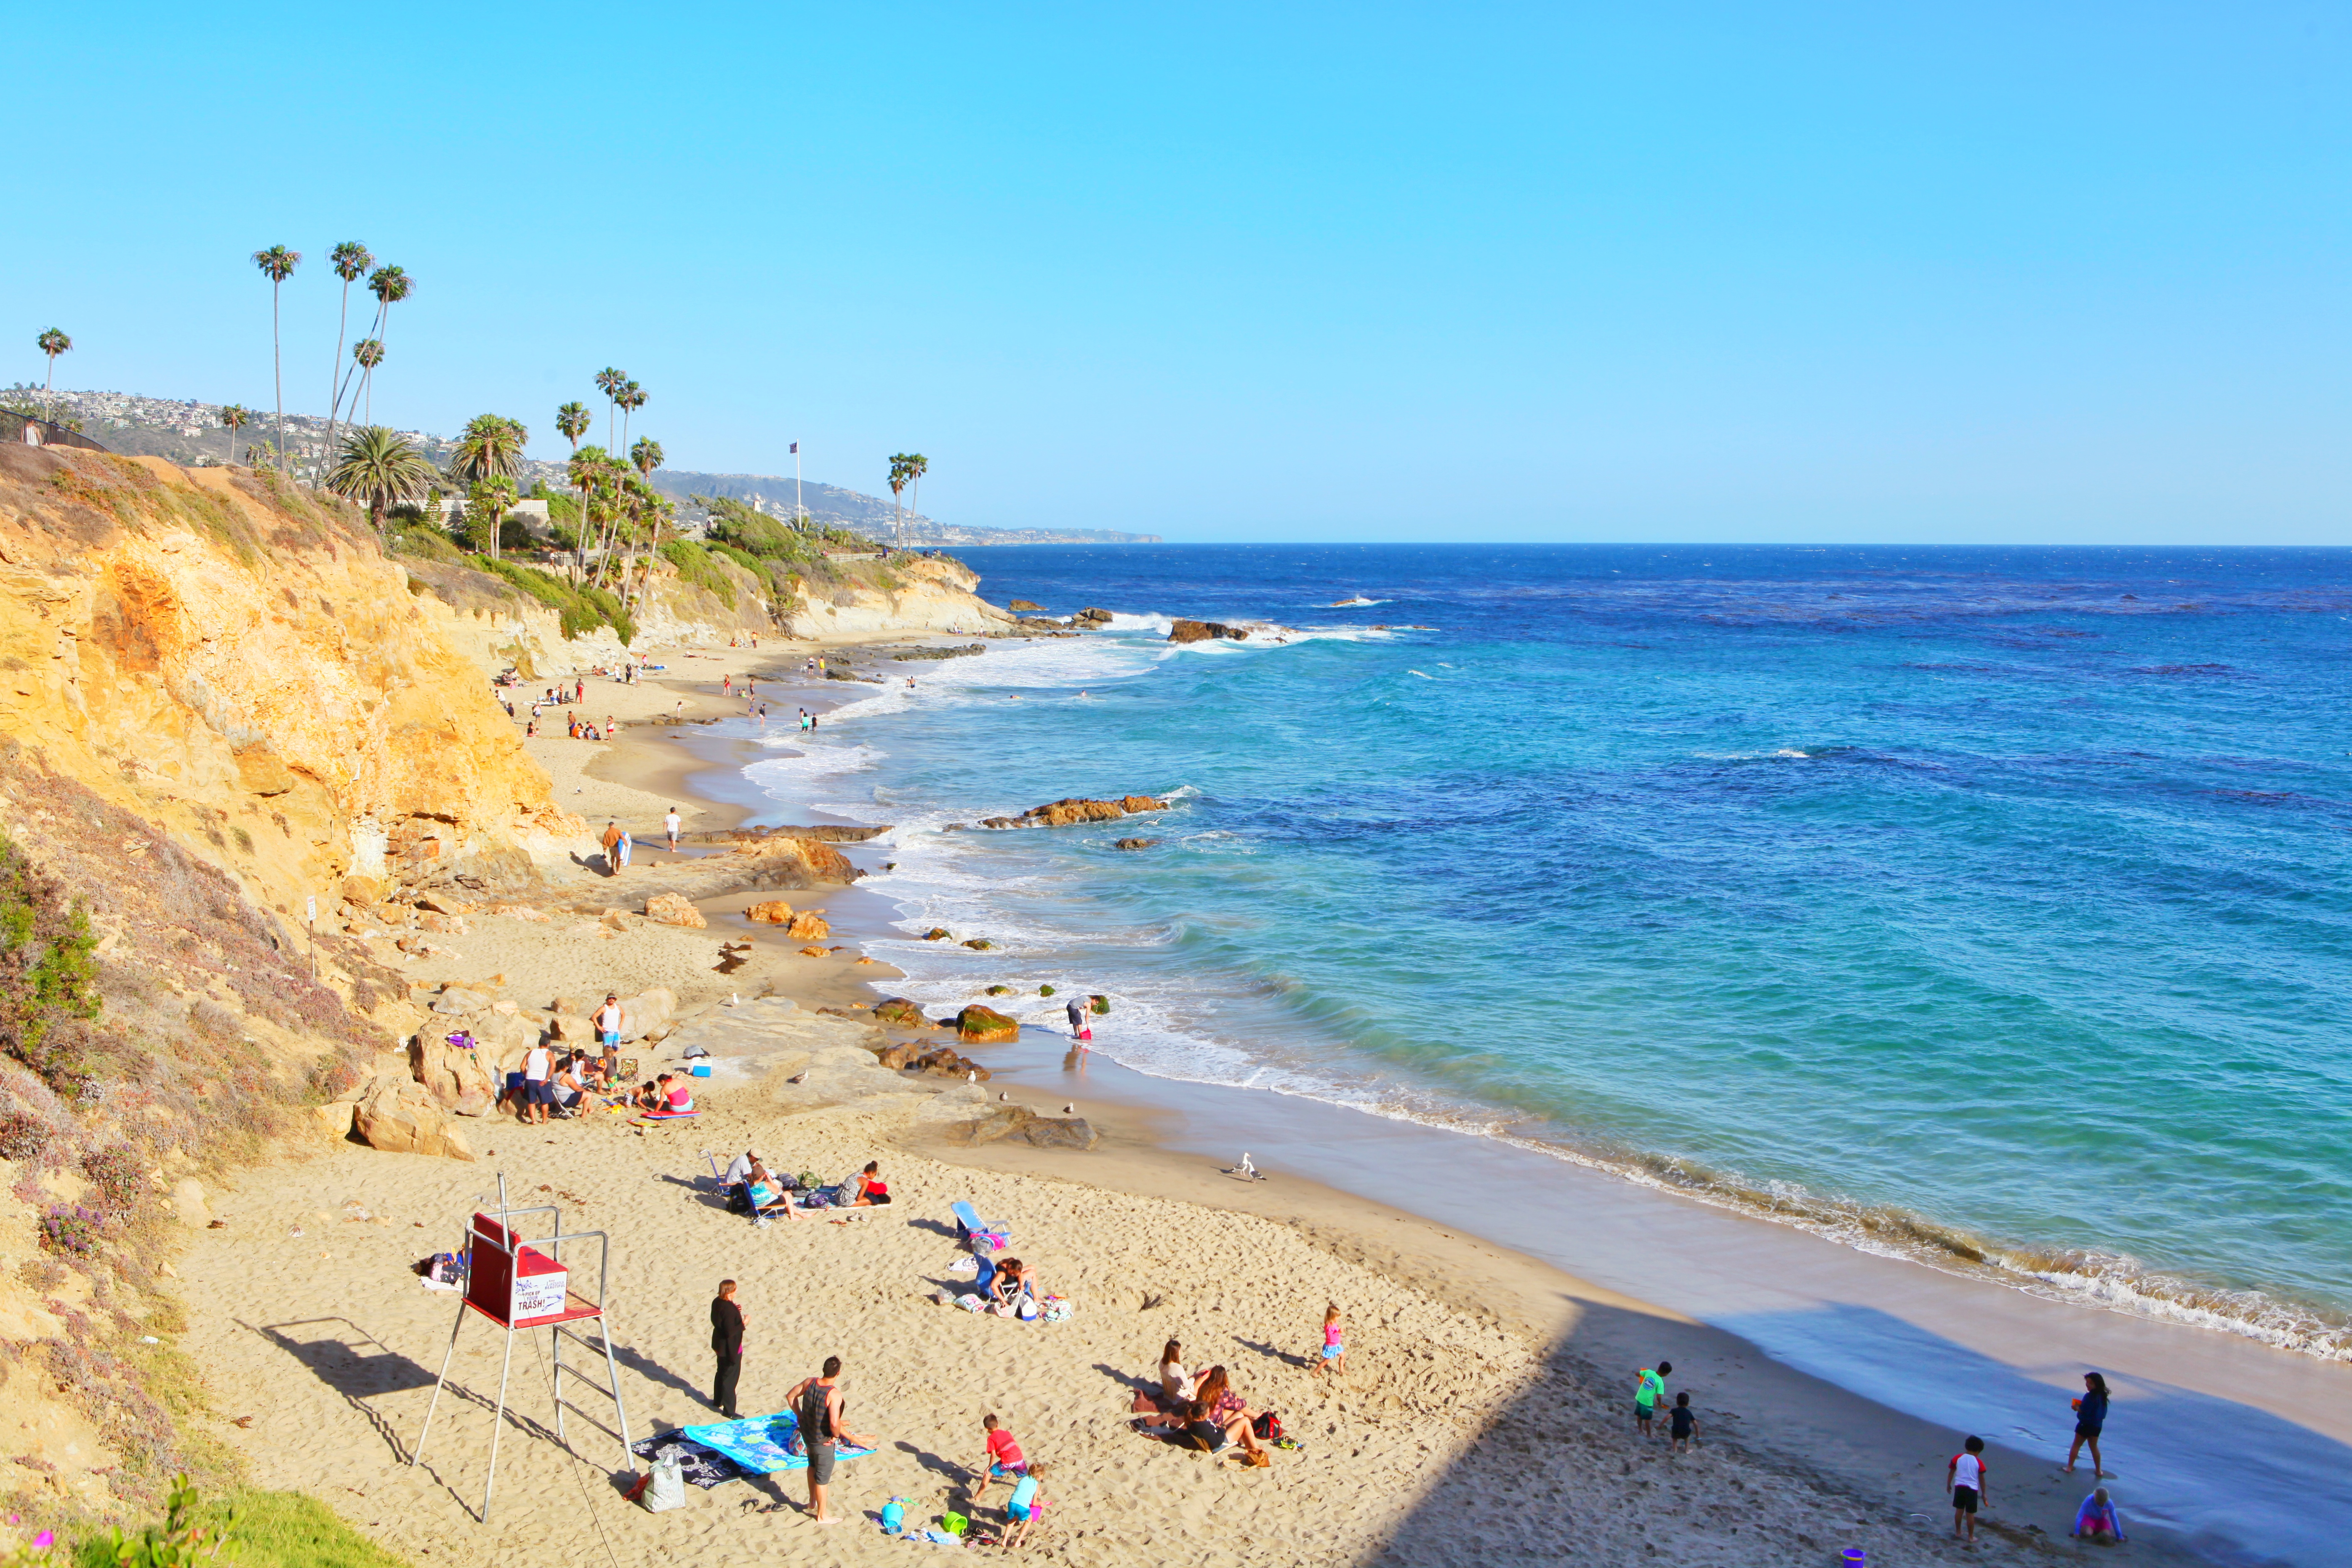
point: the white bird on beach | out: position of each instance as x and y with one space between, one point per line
1004 1097
1069 1108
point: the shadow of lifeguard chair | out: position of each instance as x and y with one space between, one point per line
521 1285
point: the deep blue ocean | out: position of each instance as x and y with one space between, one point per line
1986 905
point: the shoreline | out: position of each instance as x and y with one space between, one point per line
1808 1303
1502 1301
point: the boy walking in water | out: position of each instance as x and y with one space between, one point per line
1966 1476
1649 1387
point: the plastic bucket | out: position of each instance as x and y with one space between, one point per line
1856 1557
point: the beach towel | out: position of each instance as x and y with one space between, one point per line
701 1467
764 1443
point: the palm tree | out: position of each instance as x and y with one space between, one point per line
232 416
901 470
278 264
366 355
632 398
917 467
646 454
609 382
380 471
52 343
389 285
571 423
490 448
351 262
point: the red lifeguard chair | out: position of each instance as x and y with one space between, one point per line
519 1285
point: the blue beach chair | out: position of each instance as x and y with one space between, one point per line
975 1234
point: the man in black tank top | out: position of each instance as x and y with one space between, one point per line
816 1408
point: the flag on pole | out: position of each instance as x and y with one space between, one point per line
796 446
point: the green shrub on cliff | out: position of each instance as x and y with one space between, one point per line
48 970
695 566
581 607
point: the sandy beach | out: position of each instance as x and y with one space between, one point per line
1484 1415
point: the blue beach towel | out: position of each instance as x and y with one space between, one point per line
764 1443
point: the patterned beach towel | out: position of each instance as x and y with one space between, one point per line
701 1467
764 1443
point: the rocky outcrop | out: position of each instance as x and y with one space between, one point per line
1135 844
770 911
830 833
400 1116
763 866
1019 604
978 1026
454 1076
876 598
968 649
1063 813
1204 631
1024 1125
938 1061
1091 616
808 926
900 1013
670 909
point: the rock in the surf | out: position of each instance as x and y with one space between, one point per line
977 1024
1204 631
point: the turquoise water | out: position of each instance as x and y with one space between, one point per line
1986 906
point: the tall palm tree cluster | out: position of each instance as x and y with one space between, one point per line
488 459
351 262
906 469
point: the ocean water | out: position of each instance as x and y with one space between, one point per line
1988 906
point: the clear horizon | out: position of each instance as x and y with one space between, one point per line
1366 275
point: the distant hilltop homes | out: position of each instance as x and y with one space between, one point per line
190 433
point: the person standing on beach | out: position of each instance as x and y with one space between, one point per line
1335 1344
612 843
537 1092
727 1344
1649 1387
816 1406
1681 1426
608 1027
1078 1012
2090 1417
671 824
1966 1477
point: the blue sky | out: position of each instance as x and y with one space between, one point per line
2001 273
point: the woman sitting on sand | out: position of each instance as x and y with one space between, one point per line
867 1188
1175 1383
767 1195
1013 1286
1216 1390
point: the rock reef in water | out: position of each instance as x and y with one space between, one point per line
981 1026
1063 813
1205 631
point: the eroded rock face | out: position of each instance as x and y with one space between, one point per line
670 909
454 1076
400 1116
977 1024
1204 631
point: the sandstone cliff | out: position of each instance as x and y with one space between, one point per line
248 672
922 593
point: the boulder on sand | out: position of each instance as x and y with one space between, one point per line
454 1077
770 911
898 1011
977 1024
400 1116
1021 1123
808 926
670 909
648 1013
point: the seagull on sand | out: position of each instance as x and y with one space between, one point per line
1069 1108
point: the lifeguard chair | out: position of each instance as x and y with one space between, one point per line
519 1285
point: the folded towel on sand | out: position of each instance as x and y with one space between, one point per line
701 1467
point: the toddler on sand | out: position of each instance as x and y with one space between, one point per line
1681 1425
1335 1351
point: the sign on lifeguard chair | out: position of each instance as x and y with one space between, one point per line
526 1284
514 1285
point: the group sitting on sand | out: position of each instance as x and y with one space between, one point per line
752 1189
1204 1411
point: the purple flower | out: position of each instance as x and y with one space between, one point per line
44 1540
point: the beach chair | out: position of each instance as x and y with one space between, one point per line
975 1234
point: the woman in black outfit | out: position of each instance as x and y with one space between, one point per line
2090 1416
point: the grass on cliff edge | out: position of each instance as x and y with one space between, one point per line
278 1530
